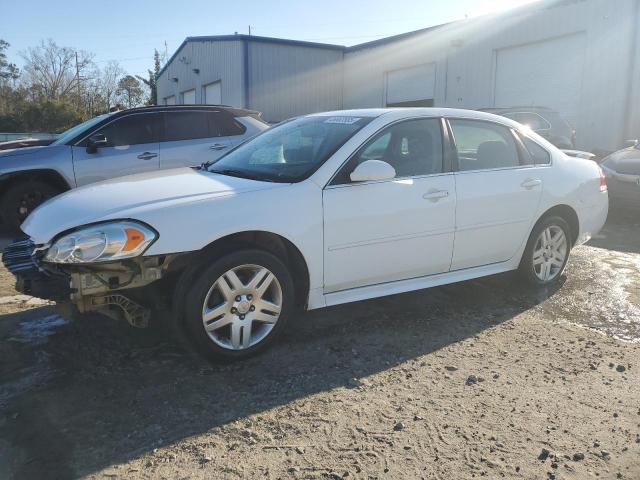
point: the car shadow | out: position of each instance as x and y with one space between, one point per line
108 393
620 233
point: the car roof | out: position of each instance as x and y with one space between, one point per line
408 112
528 108
238 112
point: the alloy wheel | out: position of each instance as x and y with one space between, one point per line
242 307
550 253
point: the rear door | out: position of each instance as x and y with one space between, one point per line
498 191
191 137
132 147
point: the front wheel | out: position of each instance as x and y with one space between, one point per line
547 252
22 198
239 305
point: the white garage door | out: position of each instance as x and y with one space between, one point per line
213 93
414 86
546 74
170 100
189 97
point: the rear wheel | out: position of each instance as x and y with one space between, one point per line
239 305
22 198
547 252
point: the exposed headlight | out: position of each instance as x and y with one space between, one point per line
103 242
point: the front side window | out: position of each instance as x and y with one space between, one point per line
483 145
291 151
412 148
132 130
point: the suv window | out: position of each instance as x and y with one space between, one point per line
186 125
223 124
484 145
195 124
132 129
412 148
538 154
530 119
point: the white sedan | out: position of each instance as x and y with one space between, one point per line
323 209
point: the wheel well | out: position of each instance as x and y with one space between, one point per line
51 177
569 215
274 244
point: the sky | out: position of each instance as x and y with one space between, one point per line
128 31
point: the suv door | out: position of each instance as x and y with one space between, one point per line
192 137
132 147
381 231
498 190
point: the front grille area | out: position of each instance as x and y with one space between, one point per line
21 259
18 256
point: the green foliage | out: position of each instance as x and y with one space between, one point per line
151 82
8 71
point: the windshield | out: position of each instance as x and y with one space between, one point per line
68 135
291 151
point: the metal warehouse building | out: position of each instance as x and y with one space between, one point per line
579 57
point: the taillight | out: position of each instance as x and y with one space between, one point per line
603 180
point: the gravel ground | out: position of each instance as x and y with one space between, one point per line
479 379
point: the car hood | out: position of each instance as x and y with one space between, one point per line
125 197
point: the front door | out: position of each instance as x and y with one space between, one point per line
497 194
381 231
132 147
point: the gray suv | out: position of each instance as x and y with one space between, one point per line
544 121
121 143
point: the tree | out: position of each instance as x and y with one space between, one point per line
151 82
130 90
53 71
108 83
8 71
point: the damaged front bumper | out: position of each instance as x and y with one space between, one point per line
91 287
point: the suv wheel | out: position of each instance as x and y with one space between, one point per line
547 252
239 305
22 198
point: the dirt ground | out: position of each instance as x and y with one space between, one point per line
479 379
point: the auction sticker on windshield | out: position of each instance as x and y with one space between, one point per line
342 120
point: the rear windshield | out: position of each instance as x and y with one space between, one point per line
291 151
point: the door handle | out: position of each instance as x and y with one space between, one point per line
435 195
217 146
530 183
147 155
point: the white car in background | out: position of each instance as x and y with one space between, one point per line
324 209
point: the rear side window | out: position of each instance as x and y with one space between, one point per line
223 124
187 125
484 145
538 154
132 130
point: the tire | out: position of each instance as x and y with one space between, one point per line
239 324
21 199
534 264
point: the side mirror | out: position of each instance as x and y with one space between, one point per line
96 141
373 170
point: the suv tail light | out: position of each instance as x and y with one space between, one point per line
603 180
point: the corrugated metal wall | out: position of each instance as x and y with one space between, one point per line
465 54
215 60
289 80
